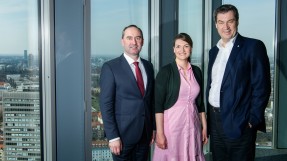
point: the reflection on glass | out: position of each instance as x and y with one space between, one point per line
191 22
256 20
19 81
108 18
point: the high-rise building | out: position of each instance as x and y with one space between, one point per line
31 60
21 126
25 54
26 57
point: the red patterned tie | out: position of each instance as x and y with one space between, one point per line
139 78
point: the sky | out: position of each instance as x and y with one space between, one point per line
256 20
190 22
19 32
18 27
109 17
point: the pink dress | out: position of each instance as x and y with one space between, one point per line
182 126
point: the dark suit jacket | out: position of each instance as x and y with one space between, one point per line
245 87
124 110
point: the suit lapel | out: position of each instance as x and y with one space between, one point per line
238 44
148 74
126 67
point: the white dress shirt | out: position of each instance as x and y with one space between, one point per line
131 61
218 70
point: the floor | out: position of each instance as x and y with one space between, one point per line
264 155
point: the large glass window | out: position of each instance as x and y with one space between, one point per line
20 115
108 18
257 20
190 21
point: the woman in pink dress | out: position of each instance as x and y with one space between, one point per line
181 128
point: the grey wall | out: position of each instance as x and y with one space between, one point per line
168 29
69 41
282 83
214 34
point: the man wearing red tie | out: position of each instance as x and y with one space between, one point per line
126 100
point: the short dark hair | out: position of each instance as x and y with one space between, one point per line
129 26
225 8
183 36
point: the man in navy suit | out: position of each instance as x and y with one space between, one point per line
238 89
126 110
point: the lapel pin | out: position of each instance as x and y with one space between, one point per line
238 46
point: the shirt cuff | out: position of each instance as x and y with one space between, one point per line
115 139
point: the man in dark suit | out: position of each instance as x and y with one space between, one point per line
126 106
238 89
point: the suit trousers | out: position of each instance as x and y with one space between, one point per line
227 149
135 152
